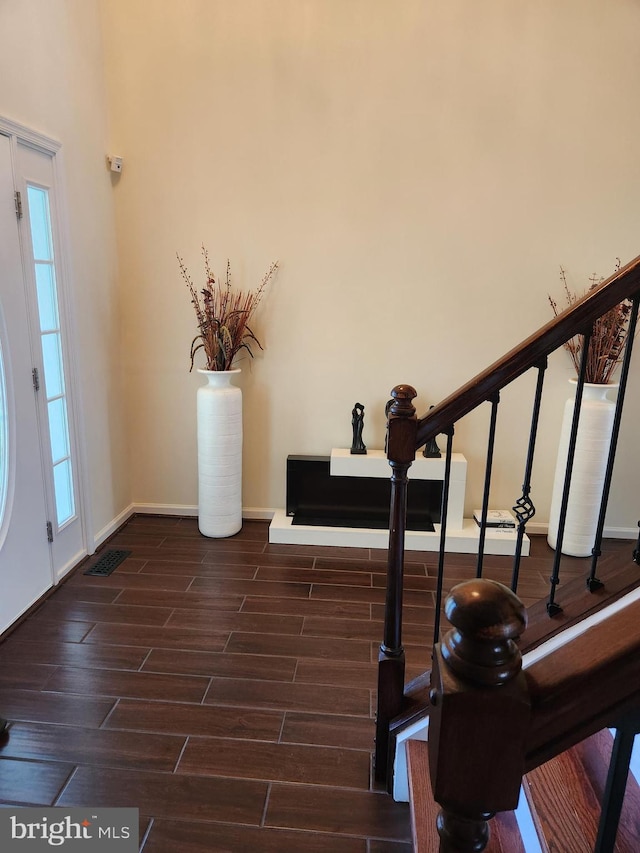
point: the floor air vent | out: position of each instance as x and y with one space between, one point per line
109 561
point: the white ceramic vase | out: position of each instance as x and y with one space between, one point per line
219 411
589 467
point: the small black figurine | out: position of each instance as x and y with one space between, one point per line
388 405
431 449
358 447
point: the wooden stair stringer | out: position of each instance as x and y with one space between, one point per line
415 701
577 603
415 714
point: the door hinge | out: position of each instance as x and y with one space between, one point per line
17 197
35 376
49 532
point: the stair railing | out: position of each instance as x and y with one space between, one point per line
496 715
406 433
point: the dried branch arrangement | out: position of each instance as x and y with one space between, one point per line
223 316
608 337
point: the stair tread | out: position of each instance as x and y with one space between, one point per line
565 795
504 833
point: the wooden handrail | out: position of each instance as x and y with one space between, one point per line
584 685
531 352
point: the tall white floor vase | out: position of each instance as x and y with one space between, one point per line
589 466
219 409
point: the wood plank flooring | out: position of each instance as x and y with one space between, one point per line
225 688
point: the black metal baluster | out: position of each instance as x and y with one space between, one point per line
614 791
593 583
443 531
494 400
524 509
552 607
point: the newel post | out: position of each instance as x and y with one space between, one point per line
480 713
402 426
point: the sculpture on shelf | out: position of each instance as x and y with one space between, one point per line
358 447
388 405
431 449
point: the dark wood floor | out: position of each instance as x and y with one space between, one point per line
225 688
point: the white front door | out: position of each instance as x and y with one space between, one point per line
41 520
25 558
50 346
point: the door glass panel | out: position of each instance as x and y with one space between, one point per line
52 356
47 302
58 430
4 441
40 224
63 484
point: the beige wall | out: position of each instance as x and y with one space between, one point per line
52 81
445 157
420 169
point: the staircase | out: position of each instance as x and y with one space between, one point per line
581 799
495 727
563 797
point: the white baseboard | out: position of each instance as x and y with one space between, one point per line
259 513
109 529
537 528
267 513
190 511
542 529
185 510
620 533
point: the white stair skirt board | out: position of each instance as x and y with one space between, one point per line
524 819
417 731
465 541
634 767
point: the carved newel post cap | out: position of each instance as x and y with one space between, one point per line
487 618
401 397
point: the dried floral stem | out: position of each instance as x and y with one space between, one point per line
608 336
223 315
